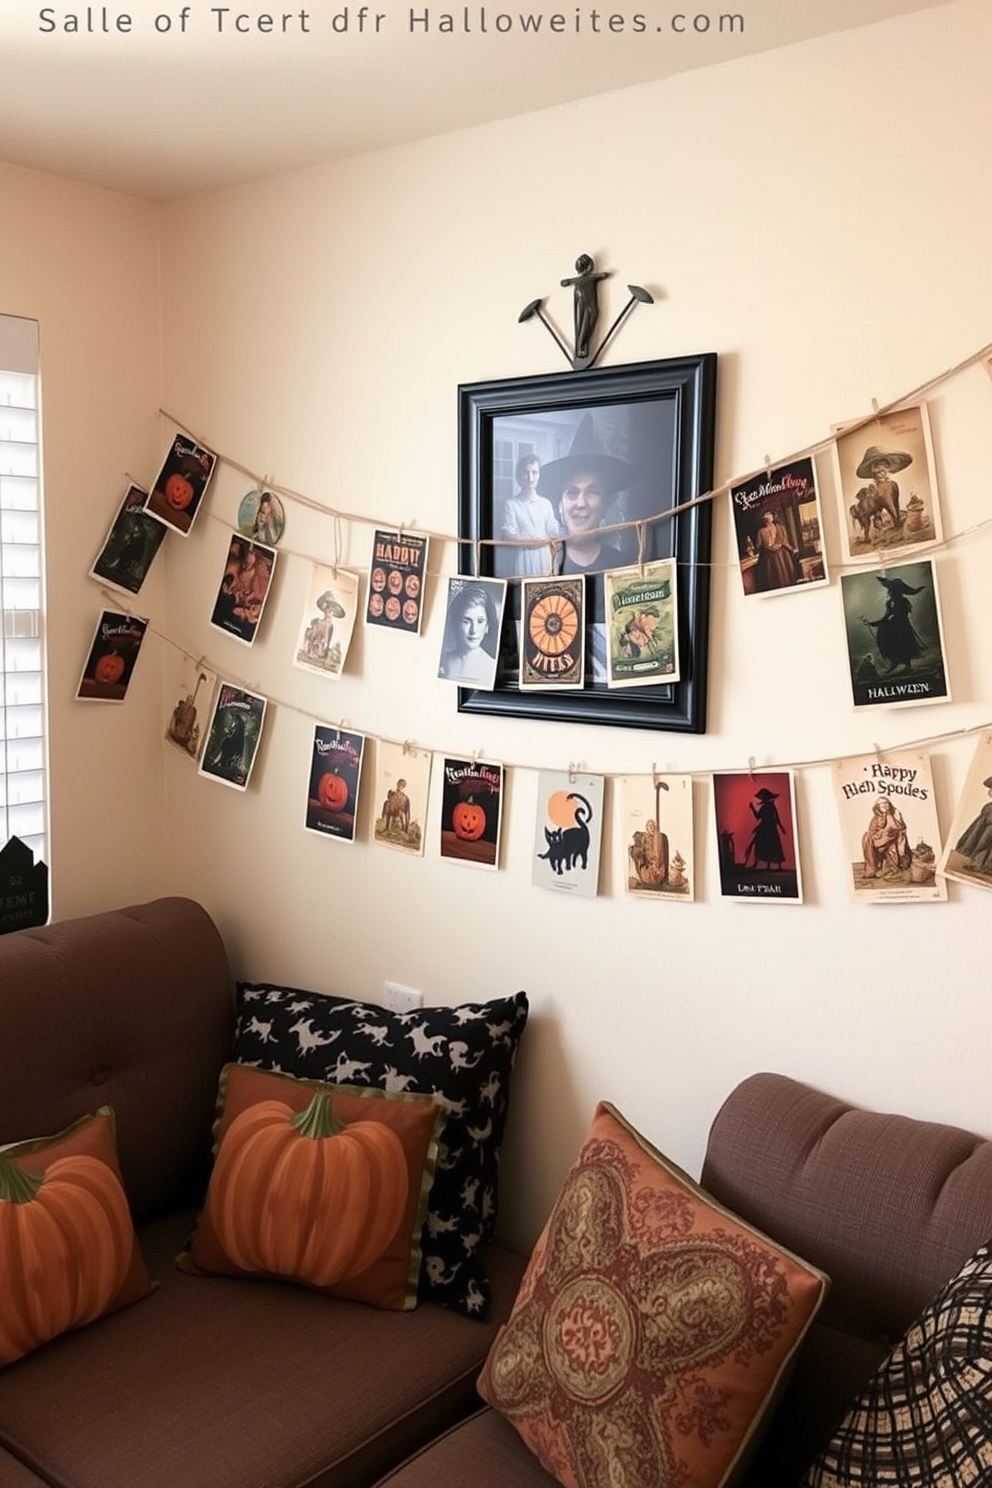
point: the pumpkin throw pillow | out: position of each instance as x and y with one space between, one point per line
925 1420
652 1330
320 1184
68 1251
462 1057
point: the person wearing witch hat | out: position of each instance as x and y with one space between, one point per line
583 486
877 466
765 845
898 641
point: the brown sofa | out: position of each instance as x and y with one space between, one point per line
207 1382
889 1207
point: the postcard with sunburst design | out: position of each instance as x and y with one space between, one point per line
551 652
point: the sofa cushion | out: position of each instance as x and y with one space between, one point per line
926 1416
316 1183
461 1056
68 1251
653 1328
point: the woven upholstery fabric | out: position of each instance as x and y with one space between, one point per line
462 1057
483 1451
926 1417
652 1330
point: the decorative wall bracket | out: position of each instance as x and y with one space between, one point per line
584 284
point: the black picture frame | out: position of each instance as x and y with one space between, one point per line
659 417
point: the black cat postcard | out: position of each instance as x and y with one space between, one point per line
568 832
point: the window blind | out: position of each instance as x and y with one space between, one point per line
23 749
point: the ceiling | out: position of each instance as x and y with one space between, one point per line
165 113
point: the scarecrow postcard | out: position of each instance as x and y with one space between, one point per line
180 486
895 645
568 832
471 811
779 530
328 623
657 837
758 853
112 656
888 820
233 737
335 775
130 545
887 483
401 786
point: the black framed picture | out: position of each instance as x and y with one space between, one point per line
576 473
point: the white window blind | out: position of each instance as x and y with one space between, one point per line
23 753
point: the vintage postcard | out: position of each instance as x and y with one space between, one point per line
397 571
888 820
471 811
335 776
642 638
568 832
470 645
261 516
233 736
181 484
887 484
192 685
402 786
111 660
552 627
130 545
779 530
757 842
244 588
968 854
656 837
328 623
895 643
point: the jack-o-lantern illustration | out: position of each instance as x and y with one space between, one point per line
332 791
178 491
468 820
109 669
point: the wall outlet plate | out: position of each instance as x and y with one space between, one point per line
400 999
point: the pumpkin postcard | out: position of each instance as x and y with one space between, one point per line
112 656
335 773
179 487
471 811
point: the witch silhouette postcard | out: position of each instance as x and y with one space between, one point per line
895 643
758 850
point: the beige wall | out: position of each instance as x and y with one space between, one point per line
85 264
816 216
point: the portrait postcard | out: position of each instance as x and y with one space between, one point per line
471 811
778 529
335 777
887 485
179 488
233 736
112 657
130 546
889 827
656 837
642 639
757 842
329 614
552 629
192 685
244 588
895 642
470 644
967 856
401 786
568 830
397 570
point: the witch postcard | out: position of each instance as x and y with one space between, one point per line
895 645
968 854
756 836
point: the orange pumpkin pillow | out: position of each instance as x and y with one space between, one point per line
68 1251
321 1184
652 1328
